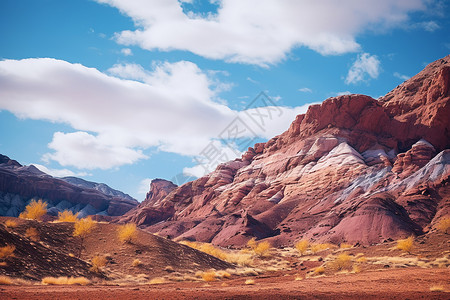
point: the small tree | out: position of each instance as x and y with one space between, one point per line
67 216
302 246
406 244
34 210
127 233
82 228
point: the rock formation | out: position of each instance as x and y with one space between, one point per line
20 184
351 169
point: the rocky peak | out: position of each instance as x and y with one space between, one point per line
159 188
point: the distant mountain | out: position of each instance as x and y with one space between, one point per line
20 184
101 187
351 169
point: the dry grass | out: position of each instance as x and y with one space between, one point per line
444 224
157 280
241 258
302 246
34 210
437 288
249 282
345 246
32 234
321 247
342 261
298 278
5 280
98 262
405 244
208 276
67 216
361 259
319 270
83 227
136 263
127 233
260 249
10 223
65 280
7 251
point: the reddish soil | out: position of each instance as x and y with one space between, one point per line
411 283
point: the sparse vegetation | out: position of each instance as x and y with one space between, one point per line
136 263
82 228
345 246
5 280
342 261
67 216
444 224
208 276
65 280
319 270
436 288
127 233
260 249
405 244
321 247
32 234
7 251
10 223
249 282
241 258
157 280
98 262
35 210
302 246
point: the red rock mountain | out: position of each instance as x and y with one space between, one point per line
20 184
352 169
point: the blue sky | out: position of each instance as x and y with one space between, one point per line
121 91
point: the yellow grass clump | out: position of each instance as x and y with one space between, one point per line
5 280
249 282
436 288
208 276
342 261
444 224
10 223
260 249
65 280
32 234
67 216
302 246
35 210
319 270
7 251
98 262
321 247
136 263
127 232
157 280
405 244
83 227
345 246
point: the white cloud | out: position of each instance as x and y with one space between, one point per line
305 90
365 64
429 26
59 172
144 186
344 93
173 108
401 76
259 32
126 51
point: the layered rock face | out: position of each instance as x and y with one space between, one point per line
20 184
352 169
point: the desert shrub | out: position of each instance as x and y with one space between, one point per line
5 280
157 280
436 288
319 270
98 262
249 282
32 234
7 251
361 259
342 261
65 280
345 246
67 216
223 274
321 247
444 224
252 243
262 249
405 244
302 246
82 228
10 223
208 276
136 263
34 210
127 233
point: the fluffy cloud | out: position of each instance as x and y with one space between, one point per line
305 90
259 31
171 107
144 186
126 51
364 65
401 76
59 172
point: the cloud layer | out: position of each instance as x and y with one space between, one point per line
259 32
366 66
115 119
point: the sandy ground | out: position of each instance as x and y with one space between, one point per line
410 283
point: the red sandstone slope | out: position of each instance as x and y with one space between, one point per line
352 169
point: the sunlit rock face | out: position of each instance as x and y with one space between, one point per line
351 169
